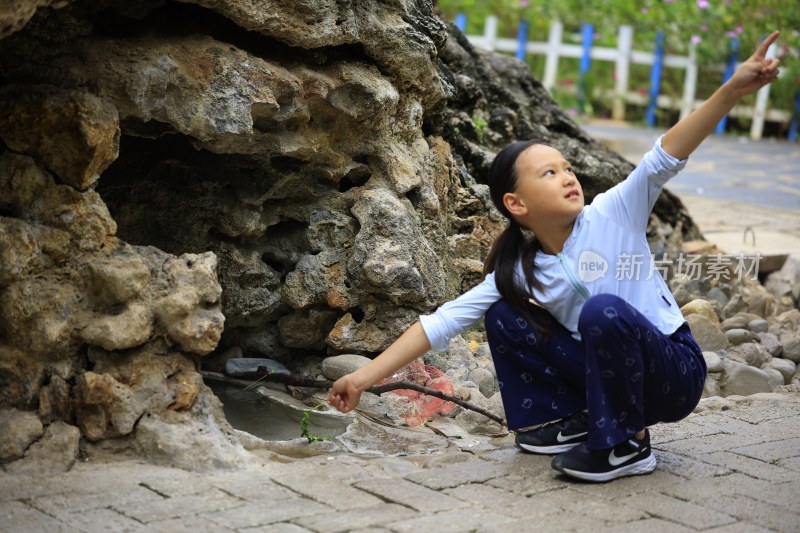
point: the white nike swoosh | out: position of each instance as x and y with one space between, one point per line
562 438
616 461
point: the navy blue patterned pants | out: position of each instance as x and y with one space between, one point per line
624 371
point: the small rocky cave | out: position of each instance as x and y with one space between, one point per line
186 182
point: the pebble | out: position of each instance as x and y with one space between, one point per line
337 366
740 336
758 325
713 361
785 367
771 343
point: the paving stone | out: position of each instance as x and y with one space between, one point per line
254 489
332 492
627 486
527 484
357 518
16 516
768 411
187 524
697 446
769 515
455 475
59 505
662 433
739 527
675 510
792 463
174 482
265 513
746 465
164 509
649 525
771 451
276 528
687 467
409 494
105 520
393 466
18 487
515 505
605 511
698 490
451 521
562 523
516 461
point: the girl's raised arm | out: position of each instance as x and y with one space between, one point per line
757 71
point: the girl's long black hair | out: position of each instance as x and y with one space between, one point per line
512 245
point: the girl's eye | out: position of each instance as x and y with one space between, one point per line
569 170
548 172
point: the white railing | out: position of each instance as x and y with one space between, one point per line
623 56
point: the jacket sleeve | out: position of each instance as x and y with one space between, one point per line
457 315
630 202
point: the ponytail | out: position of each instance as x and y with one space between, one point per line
512 246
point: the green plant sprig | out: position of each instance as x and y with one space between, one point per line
304 427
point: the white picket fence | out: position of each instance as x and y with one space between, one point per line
623 56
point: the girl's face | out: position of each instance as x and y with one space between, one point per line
547 193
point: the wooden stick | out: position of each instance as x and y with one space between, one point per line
270 377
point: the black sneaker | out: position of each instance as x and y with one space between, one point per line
630 458
556 437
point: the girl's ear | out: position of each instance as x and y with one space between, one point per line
515 205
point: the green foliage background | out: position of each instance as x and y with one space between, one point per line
680 20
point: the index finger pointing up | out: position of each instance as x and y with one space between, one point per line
761 51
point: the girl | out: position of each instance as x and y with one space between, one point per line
593 352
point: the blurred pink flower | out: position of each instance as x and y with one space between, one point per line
702 4
524 3
645 11
704 27
739 29
730 33
696 39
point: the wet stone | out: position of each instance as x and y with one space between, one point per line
247 367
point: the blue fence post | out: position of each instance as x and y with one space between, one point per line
795 118
587 31
461 22
655 80
729 68
522 39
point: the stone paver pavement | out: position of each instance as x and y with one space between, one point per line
734 468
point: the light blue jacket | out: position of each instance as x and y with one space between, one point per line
606 253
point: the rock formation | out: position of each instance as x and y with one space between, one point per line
308 174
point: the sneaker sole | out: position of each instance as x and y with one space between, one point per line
645 466
548 450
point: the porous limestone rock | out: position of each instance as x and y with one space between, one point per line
18 429
88 138
54 453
